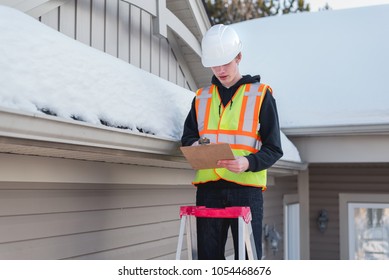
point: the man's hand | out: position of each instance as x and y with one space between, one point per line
237 165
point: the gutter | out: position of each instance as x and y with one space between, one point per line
337 130
47 128
44 135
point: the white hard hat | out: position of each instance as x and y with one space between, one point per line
220 45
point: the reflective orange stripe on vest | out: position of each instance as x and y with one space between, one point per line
203 104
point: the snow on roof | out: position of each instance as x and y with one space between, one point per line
44 71
326 68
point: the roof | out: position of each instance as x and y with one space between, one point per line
327 69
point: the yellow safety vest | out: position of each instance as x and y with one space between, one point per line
236 124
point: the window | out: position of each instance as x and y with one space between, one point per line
364 226
369 231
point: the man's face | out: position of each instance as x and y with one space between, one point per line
228 74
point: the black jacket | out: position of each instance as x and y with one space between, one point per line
271 150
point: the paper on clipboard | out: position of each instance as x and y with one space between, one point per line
206 156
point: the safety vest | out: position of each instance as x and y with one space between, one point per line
237 124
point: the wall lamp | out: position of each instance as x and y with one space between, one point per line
322 220
272 237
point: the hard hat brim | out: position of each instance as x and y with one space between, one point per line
219 61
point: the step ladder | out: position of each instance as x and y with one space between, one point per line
245 236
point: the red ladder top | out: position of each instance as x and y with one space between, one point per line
228 212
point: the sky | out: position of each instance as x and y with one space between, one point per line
326 68
315 5
44 70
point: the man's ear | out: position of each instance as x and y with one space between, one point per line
238 58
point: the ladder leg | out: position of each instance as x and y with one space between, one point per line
193 226
250 243
241 238
180 237
191 238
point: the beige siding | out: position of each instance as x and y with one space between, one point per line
120 29
131 218
326 182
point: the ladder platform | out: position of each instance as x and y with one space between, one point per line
228 212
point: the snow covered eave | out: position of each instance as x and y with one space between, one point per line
41 135
334 130
286 168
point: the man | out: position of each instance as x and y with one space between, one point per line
240 111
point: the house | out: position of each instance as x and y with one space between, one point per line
87 182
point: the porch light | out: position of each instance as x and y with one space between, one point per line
272 236
322 220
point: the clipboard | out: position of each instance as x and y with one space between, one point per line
206 156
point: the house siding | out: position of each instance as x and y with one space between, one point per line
326 182
81 221
126 216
